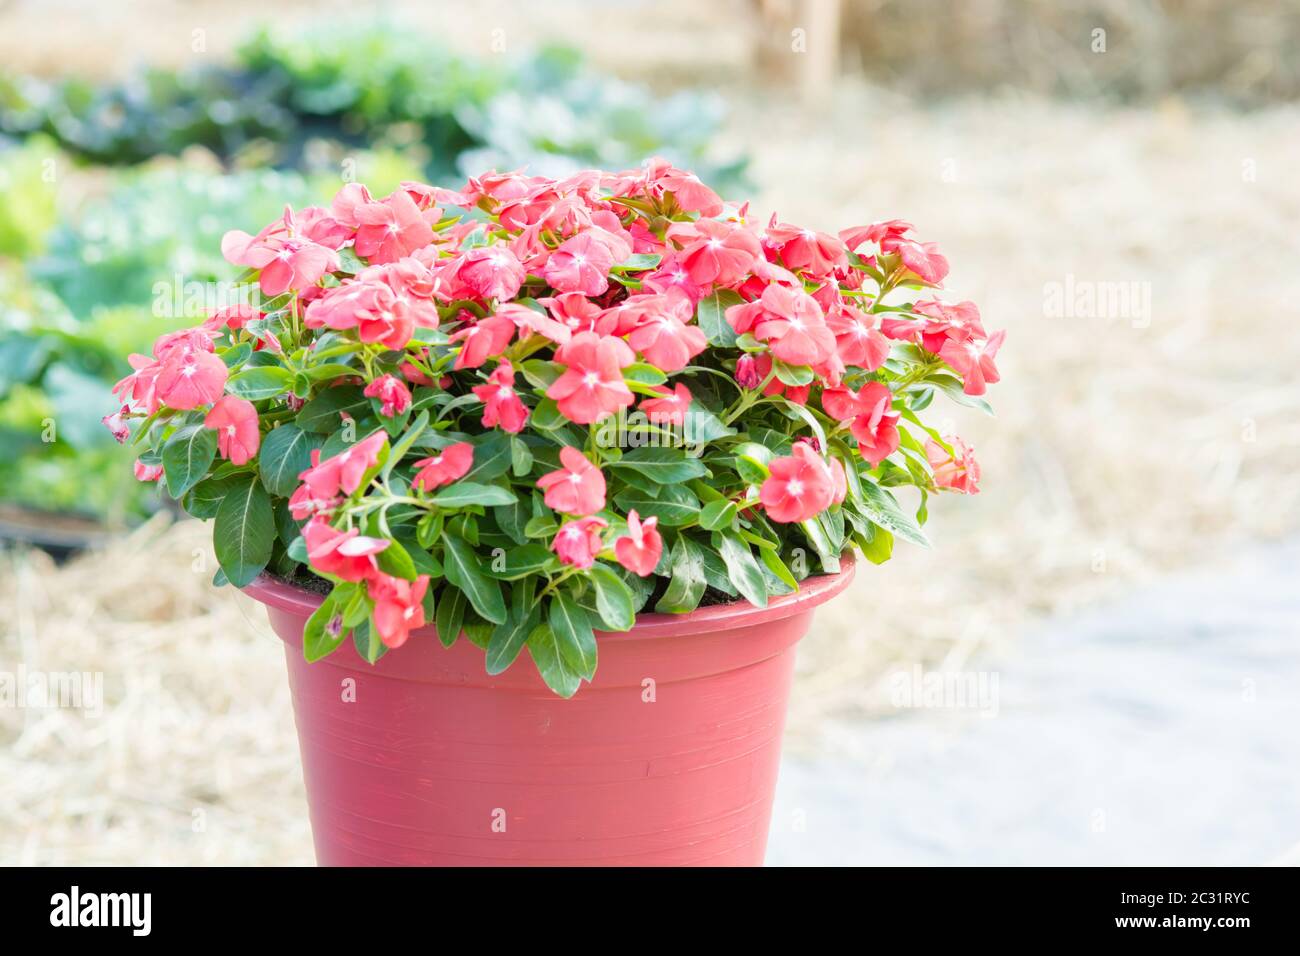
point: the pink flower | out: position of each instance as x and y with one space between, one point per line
501 406
347 201
691 194
871 418
959 471
937 324
790 321
570 313
578 488
716 253
286 261
145 472
592 385
580 264
374 308
322 228
116 424
839 481
671 276
669 410
973 361
877 232
399 606
666 340
450 464
391 228
804 249
394 397
491 272
483 339
800 486
141 386
921 259
857 340
343 472
235 422
304 503
184 342
234 317
578 542
345 554
189 379
639 551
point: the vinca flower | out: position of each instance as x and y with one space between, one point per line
612 390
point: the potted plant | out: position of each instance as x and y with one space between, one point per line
601 416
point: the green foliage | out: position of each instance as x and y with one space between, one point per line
352 84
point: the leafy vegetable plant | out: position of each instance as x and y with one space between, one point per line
530 409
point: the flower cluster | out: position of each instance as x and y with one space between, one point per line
418 409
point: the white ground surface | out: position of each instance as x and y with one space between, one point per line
1158 730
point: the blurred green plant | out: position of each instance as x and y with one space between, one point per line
309 99
291 115
27 187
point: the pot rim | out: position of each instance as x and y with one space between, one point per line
813 591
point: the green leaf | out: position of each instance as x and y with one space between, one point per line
258 383
674 506
329 371
541 374
614 602
450 617
773 561
187 456
645 374
702 426
244 530
550 664
667 466
878 547
403 445
325 630
952 387
686 587
792 375
285 454
520 562
508 639
715 573
752 460
573 635
821 543
323 413
521 457
464 571
492 458
205 497
366 640
711 315
742 570
397 561
541 526
638 262
717 515
883 509
464 493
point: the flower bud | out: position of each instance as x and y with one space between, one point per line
747 372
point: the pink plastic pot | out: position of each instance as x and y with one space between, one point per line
668 758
